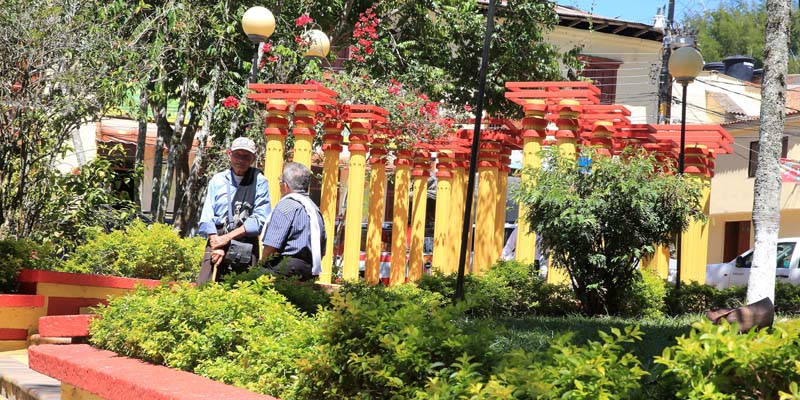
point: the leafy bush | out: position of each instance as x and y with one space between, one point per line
598 370
716 362
23 254
646 296
249 336
306 296
787 298
140 251
380 343
509 288
598 220
693 298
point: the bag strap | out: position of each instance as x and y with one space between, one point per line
230 206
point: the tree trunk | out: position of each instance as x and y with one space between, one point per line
141 142
767 190
182 167
163 137
192 198
172 152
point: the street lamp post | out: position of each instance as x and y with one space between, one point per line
259 24
685 64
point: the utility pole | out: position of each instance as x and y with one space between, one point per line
665 83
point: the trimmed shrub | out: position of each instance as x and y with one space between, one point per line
140 251
597 370
646 297
381 343
696 298
306 296
509 288
716 362
17 255
248 336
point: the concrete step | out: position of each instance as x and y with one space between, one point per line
18 382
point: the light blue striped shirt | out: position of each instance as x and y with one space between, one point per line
289 229
215 207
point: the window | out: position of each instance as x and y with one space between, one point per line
784 259
753 159
603 73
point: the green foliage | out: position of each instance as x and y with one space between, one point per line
737 27
248 336
58 73
509 288
696 298
599 223
646 296
598 370
716 362
787 298
140 251
380 343
85 201
23 254
306 296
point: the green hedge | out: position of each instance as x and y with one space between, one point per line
248 336
23 254
140 251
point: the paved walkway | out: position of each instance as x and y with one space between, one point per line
18 382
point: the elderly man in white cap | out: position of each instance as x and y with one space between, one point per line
237 205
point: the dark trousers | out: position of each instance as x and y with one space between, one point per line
289 266
207 267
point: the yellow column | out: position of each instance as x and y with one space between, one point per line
331 148
659 261
418 210
458 197
443 250
486 209
303 132
567 138
377 204
502 196
402 179
602 134
276 137
355 199
534 125
694 246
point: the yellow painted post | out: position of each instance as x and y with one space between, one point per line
402 178
331 148
276 137
443 250
694 246
303 132
418 212
567 138
502 195
458 197
359 129
534 125
377 205
658 262
602 134
486 208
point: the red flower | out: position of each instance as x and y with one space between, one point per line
312 82
364 42
395 90
423 97
467 107
272 58
230 102
369 50
303 20
76 171
266 47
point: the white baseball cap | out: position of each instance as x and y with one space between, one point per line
243 143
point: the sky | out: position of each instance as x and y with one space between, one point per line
640 10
